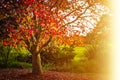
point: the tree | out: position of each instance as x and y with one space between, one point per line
100 43
43 21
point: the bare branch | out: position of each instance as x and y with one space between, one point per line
77 17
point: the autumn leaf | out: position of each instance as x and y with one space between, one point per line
4 43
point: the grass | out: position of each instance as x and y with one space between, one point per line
17 64
26 65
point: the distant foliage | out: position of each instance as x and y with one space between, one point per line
58 55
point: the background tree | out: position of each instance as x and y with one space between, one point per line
99 41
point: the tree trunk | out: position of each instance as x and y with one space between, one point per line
36 64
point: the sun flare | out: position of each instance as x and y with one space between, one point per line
116 40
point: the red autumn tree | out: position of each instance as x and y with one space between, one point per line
41 20
37 25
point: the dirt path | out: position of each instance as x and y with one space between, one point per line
25 74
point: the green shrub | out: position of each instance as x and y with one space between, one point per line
8 54
47 66
14 64
60 56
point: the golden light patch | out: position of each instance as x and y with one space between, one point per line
115 58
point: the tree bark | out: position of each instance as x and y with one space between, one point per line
36 64
36 58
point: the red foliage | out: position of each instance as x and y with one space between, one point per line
28 2
4 43
36 19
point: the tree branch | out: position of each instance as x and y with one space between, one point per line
76 18
54 4
45 44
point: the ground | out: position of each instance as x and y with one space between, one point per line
25 74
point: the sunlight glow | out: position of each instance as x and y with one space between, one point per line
116 40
